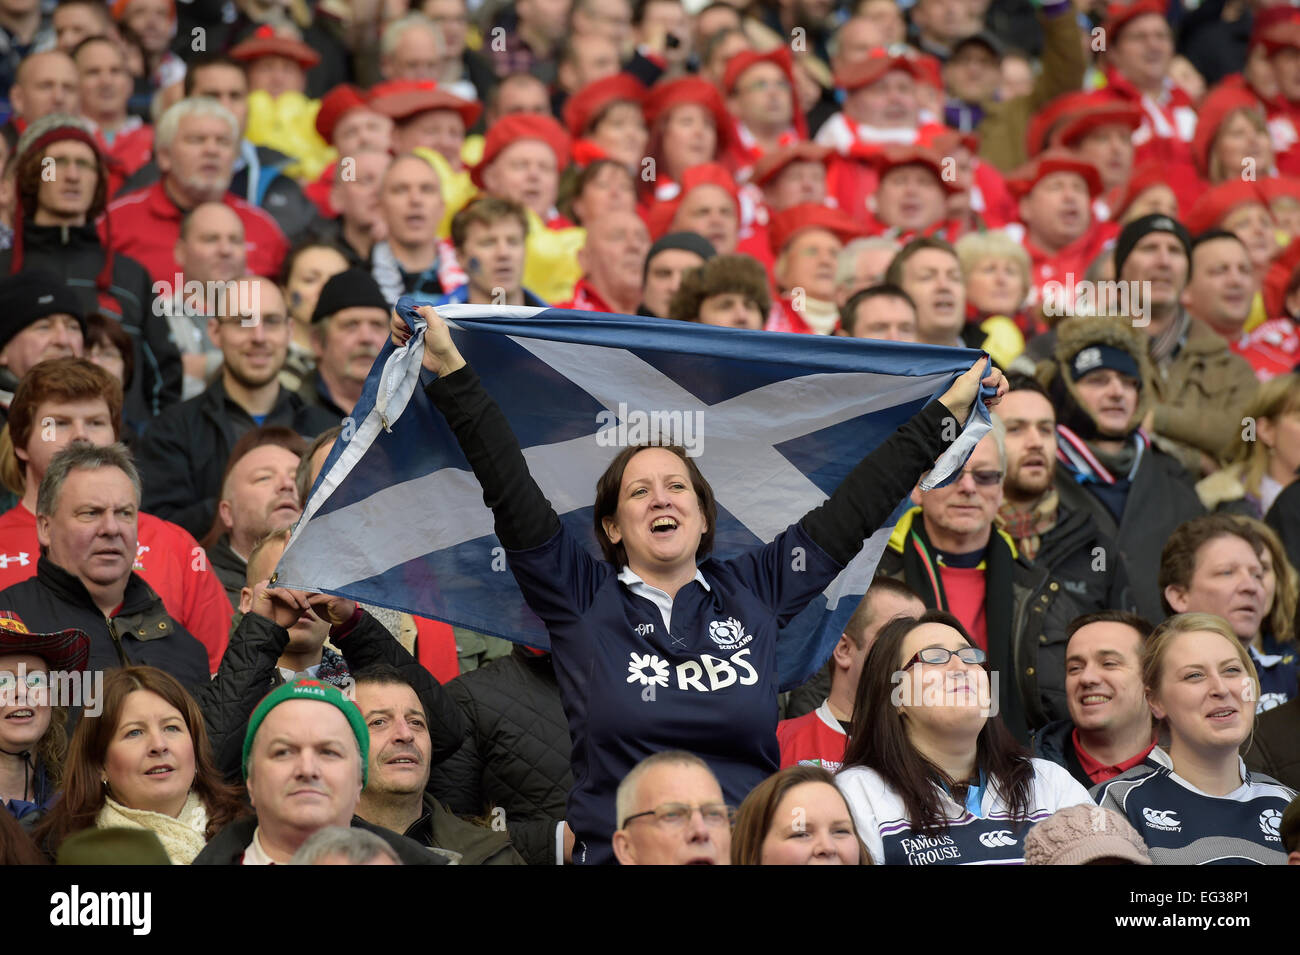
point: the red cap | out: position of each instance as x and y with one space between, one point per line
689 89
334 105
1144 177
1042 124
1214 111
1278 277
660 217
772 164
511 129
944 140
1279 187
264 41
1120 15
1092 112
588 103
118 9
878 62
895 157
788 223
400 100
780 57
1215 203
1022 181
1263 21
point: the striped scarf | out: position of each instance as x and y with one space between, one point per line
1084 465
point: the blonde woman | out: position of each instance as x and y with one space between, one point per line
997 274
1201 805
1263 457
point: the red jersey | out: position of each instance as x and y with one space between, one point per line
1073 260
783 318
1272 349
814 739
1165 136
167 557
146 226
586 299
131 149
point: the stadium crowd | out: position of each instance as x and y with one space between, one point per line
1081 650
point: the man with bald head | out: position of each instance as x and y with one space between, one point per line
210 250
184 453
611 262
412 259
46 83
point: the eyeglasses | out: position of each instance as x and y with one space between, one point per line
938 656
981 478
675 815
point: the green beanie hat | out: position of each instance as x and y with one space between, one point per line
321 693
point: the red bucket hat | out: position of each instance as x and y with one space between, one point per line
264 41
1213 205
1143 178
1023 180
878 62
780 57
588 103
1214 111
663 97
661 214
400 100
1120 15
788 223
772 164
1094 111
511 129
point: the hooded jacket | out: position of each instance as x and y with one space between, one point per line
1161 495
1038 610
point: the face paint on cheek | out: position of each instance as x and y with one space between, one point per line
473 266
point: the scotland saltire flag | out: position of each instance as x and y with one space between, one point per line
775 422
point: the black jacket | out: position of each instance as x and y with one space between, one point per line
516 754
231 569
248 672
1086 562
1161 498
74 254
1276 747
1039 608
1052 742
140 633
184 453
315 392
440 828
278 195
1284 517
227 846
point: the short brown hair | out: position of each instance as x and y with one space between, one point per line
485 211
757 813
864 615
303 479
62 380
739 274
607 490
1178 559
894 274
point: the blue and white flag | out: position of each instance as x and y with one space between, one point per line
774 421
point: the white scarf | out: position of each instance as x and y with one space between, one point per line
182 837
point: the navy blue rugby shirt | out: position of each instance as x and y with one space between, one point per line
705 680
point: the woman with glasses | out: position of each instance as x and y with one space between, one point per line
931 774
33 729
655 646
1201 805
796 817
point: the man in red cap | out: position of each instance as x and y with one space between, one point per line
707 204
1099 130
1139 49
912 196
154 22
277 60
1056 226
426 116
349 123
786 177
611 261
761 96
523 156
195 141
606 118
807 240
881 104
1282 43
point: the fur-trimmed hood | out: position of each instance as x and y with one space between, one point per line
1075 334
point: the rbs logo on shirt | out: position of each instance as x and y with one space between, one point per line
705 675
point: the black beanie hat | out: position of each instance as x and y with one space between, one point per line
686 241
31 295
1138 229
354 288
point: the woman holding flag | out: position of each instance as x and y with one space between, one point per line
660 646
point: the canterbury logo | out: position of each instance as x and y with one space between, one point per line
1161 819
996 840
